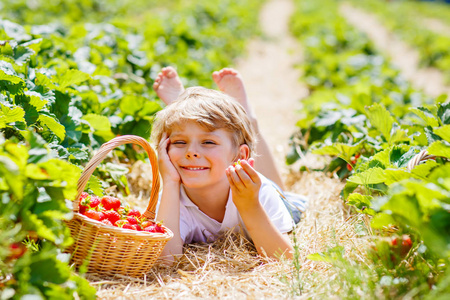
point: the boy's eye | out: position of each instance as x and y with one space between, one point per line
178 142
209 142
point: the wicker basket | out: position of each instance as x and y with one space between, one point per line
108 250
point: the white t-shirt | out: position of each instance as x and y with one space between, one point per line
196 226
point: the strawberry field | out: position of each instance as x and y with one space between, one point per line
76 74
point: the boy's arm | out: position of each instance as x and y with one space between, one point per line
245 184
169 208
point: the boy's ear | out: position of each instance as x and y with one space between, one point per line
244 152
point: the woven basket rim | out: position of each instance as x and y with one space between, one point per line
168 234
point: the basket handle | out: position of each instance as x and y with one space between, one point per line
103 152
419 157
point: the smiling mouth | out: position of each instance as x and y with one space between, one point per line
194 168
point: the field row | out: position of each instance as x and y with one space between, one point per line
372 124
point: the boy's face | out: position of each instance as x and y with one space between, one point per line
201 156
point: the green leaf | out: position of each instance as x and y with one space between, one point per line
76 153
31 113
49 270
382 220
53 125
11 115
42 80
444 111
392 175
10 172
22 54
63 174
423 170
341 150
94 184
440 148
370 176
361 202
34 223
426 115
397 155
10 78
443 132
319 257
381 119
36 100
399 136
32 171
71 77
406 207
97 122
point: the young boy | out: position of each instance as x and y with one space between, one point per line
201 134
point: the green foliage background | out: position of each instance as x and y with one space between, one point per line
73 75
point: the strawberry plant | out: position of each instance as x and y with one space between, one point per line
33 188
410 25
371 123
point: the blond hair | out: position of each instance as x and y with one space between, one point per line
209 108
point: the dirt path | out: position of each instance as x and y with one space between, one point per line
437 26
271 80
402 56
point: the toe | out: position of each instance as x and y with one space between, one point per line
216 76
170 72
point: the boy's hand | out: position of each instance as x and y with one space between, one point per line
167 169
245 184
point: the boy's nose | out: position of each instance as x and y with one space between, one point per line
191 153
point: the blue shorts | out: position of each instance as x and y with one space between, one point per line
295 203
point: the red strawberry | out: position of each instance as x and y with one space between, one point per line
349 167
95 215
83 196
128 226
132 220
147 223
83 206
112 215
137 227
155 228
120 223
109 202
16 250
107 222
134 212
82 209
94 202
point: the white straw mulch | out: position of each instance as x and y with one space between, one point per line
231 269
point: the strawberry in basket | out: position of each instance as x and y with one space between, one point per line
109 211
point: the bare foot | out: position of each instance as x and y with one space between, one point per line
230 82
168 85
